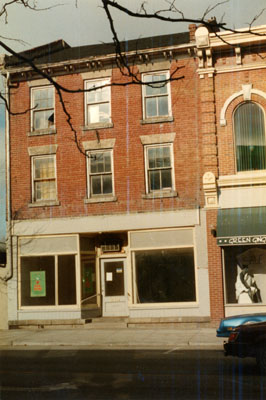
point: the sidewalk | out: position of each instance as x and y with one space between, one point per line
125 338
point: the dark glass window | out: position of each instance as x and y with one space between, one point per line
165 276
249 137
38 280
30 266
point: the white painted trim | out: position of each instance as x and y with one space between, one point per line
243 179
40 82
102 144
42 150
157 139
154 67
107 223
92 75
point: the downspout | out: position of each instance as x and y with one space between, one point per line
8 271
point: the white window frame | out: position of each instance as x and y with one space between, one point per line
144 96
33 110
33 179
89 157
166 190
87 85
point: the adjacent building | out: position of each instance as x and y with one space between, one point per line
135 200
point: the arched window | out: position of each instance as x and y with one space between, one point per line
249 137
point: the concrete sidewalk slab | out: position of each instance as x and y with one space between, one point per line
112 338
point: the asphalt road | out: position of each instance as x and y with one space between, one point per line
142 375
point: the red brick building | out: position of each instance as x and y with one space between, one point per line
115 213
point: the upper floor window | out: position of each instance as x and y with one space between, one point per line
97 102
42 104
156 95
43 178
249 137
100 173
159 168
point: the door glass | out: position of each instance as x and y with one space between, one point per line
114 278
88 280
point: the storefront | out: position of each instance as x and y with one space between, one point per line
136 274
241 233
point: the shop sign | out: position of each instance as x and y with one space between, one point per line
241 240
37 284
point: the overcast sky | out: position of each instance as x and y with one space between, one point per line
86 23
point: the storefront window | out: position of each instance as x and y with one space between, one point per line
245 274
164 276
48 280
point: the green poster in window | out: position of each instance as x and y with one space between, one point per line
37 284
88 281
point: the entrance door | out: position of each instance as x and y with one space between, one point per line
114 288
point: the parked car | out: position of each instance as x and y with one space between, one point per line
248 341
229 323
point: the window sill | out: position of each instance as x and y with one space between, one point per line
42 132
45 203
159 195
98 125
250 178
156 120
100 199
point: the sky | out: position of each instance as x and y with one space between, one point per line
83 22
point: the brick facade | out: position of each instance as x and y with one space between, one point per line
208 83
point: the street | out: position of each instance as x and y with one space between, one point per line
127 374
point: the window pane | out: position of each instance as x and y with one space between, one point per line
250 137
98 95
151 107
163 105
245 278
100 162
156 89
30 284
107 184
107 161
104 112
45 190
96 187
43 119
165 276
159 157
114 287
152 157
166 178
43 98
97 163
93 114
154 179
166 157
66 280
44 168
88 273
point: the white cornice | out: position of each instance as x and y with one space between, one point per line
163 52
241 36
243 179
